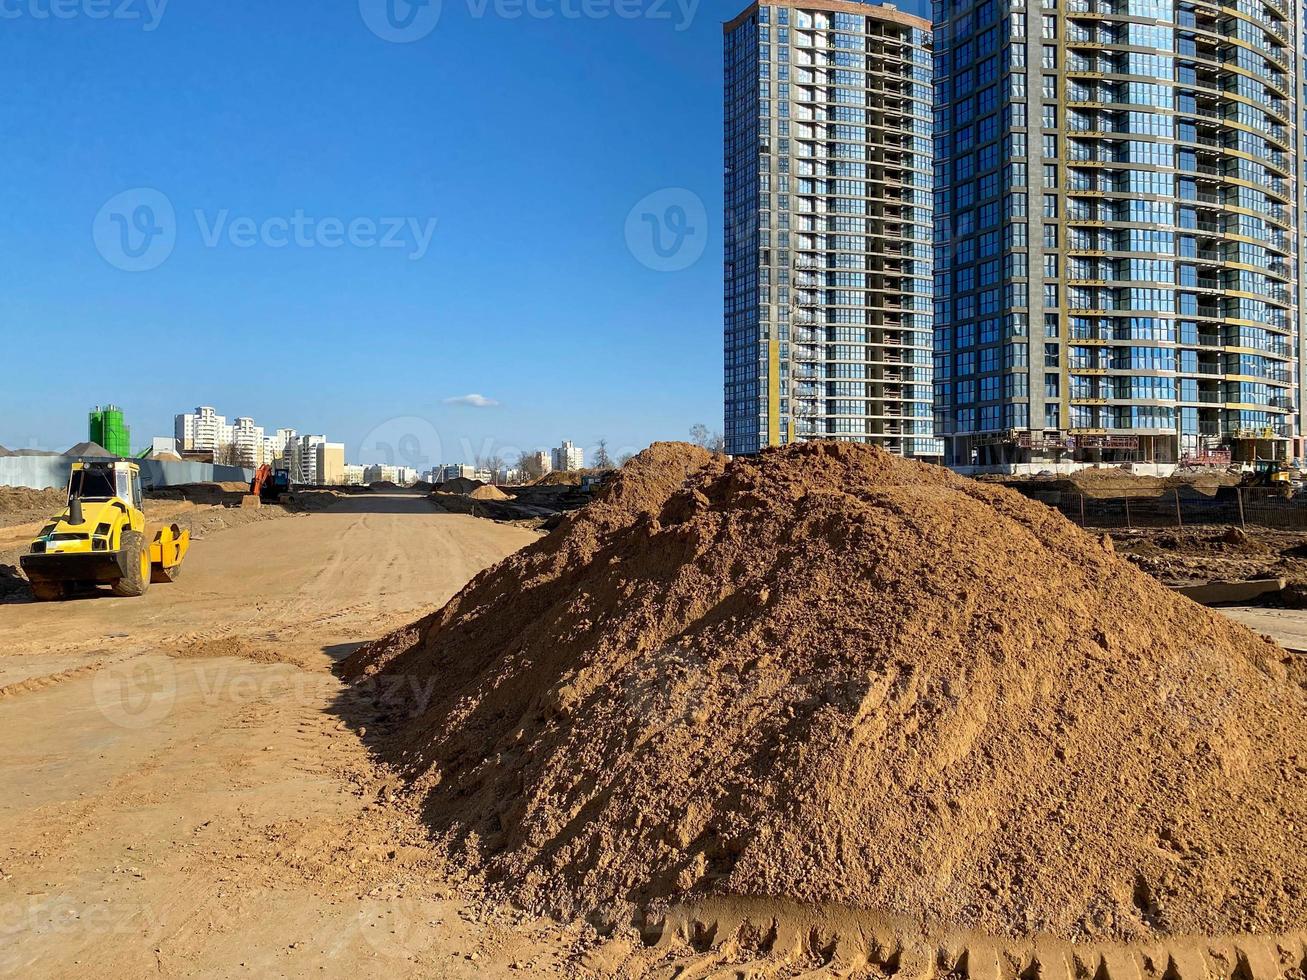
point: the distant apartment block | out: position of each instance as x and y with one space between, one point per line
203 430
401 476
331 463
828 231
247 442
566 458
308 460
456 471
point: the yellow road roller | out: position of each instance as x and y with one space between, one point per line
101 538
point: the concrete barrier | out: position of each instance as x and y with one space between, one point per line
43 472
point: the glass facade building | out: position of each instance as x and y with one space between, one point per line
828 258
1115 236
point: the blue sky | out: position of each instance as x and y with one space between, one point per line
526 130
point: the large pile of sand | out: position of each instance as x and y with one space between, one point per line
489 492
829 675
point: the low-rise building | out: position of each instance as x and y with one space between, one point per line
331 463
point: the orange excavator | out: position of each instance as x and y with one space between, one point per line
268 484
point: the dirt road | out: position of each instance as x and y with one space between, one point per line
184 793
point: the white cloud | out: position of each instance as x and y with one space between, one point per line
475 401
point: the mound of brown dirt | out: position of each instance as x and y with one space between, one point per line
489 492
460 484
829 675
561 478
20 500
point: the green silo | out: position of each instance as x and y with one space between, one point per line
108 430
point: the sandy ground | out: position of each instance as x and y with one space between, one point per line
187 792
188 789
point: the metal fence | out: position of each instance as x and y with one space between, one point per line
41 472
1237 506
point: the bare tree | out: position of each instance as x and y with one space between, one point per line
712 441
625 458
229 454
602 460
496 466
530 467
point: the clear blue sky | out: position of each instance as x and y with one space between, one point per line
528 139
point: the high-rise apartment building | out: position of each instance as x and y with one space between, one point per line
247 444
306 470
202 430
1115 230
567 458
828 226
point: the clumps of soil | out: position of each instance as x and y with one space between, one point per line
1114 481
1231 554
559 478
828 675
23 500
1109 482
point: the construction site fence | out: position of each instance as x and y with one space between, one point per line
44 472
1233 506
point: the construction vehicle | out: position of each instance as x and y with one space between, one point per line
101 537
1271 473
269 484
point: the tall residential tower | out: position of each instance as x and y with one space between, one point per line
1115 230
828 226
